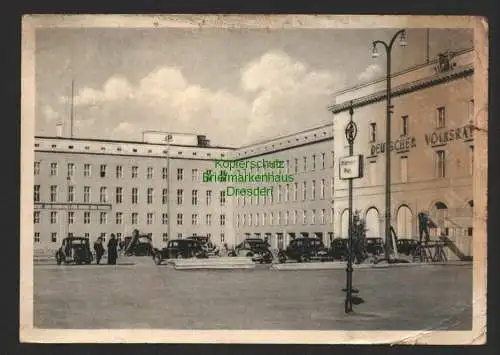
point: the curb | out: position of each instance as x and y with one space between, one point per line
342 266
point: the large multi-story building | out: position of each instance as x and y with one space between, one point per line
93 187
431 150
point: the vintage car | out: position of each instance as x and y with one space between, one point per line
407 246
374 246
339 248
138 245
209 247
179 249
255 248
304 250
74 250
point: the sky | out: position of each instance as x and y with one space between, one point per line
235 86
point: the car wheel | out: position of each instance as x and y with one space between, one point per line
304 258
282 259
157 259
249 254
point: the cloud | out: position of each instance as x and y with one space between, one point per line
371 72
50 114
280 95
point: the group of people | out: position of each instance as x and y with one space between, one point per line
112 249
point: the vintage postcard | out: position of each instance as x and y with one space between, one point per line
254 179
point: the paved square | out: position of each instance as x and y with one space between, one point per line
150 296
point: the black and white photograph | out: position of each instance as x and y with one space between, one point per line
251 178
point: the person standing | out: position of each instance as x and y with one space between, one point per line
99 250
112 252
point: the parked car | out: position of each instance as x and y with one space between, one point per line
74 250
304 250
139 245
209 247
407 246
256 248
339 248
374 246
179 249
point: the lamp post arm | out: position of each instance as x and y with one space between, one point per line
387 49
394 38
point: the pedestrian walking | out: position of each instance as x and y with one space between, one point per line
112 250
99 250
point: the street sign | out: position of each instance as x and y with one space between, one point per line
351 167
351 131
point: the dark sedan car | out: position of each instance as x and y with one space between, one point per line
339 248
256 248
74 250
407 246
374 246
179 249
304 250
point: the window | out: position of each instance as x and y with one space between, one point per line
149 218
135 172
279 194
323 216
53 193
194 219
295 215
222 198
135 216
180 196
279 218
222 219
164 218
296 165
37 237
150 195
119 194
86 217
304 217
372 132
71 193
53 169
271 218
164 196
86 194
71 170
404 169
313 217
222 238
322 189
322 160
119 171
194 174
119 217
87 171
194 197
333 159
103 218
471 160
103 194
36 217
53 217
208 197
103 170
179 219
471 110
304 191
36 193
287 192
440 164
441 117
135 196
288 166
53 237
287 217
208 219
305 163
164 173
295 191
331 215
180 174
314 162
264 217
404 125
36 168
313 190
164 237
149 172
103 236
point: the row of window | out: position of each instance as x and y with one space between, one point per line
283 218
103 195
54 236
134 218
404 122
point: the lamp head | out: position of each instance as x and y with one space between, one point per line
403 40
375 52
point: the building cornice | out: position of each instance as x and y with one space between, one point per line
403 89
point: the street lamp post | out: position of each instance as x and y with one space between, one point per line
388 50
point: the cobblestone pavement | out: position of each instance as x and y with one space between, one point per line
149 296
